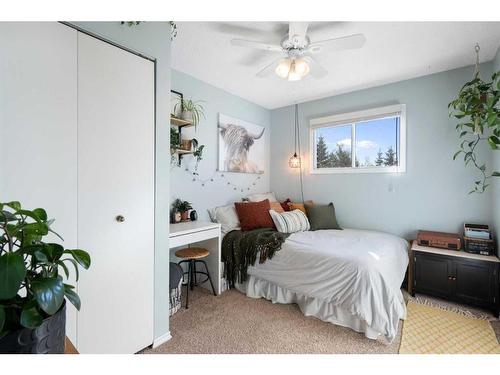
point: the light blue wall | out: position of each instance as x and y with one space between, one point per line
152 39
432 194
496 166
218 192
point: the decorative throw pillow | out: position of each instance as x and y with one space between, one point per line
226 216
322 216
290 222
262 196
285 204
254 215
299 206
276 206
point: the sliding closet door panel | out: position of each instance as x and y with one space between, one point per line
115 197
38 125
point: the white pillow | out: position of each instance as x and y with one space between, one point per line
262 197
226 216
291 221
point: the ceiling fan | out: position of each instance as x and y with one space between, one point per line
297 52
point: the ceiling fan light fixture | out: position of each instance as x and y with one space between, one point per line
283 68
293 75
301 67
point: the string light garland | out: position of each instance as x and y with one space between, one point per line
217 177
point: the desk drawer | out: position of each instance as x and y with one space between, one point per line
188 238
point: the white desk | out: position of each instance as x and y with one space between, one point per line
200 234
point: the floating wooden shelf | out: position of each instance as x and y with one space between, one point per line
179 122
180 151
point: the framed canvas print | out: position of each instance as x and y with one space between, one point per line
241 146
175 103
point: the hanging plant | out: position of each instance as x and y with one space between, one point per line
131 23
173 27
173 30
477 106
198 154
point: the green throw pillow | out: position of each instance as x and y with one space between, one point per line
322 217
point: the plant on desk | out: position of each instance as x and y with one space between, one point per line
183 208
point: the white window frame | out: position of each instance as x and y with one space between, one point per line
350 119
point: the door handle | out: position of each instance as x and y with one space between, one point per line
120 218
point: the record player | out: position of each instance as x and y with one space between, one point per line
442 240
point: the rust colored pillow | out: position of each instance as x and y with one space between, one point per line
299 206
254 215
285 204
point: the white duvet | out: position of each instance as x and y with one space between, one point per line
358 271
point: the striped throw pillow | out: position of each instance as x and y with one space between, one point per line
290 222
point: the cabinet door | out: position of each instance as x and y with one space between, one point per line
38 126
474 282
115 177
432 275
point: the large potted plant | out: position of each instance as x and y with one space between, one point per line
32 291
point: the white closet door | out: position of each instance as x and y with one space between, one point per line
38 125
115 177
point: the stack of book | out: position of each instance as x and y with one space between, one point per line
478 239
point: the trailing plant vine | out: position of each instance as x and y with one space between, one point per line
477 106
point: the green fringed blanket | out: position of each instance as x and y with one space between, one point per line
239 250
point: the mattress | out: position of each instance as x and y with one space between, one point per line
347 277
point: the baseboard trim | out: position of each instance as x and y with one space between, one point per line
162 339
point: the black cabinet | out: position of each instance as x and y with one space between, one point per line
463 280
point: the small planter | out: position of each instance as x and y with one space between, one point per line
185 216
46 339
186 144
187 116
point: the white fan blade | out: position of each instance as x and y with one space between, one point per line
256 45
339 44
268 69
317 71
297 33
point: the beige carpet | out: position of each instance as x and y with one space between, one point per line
234 323
432 330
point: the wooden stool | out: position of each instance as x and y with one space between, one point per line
191 256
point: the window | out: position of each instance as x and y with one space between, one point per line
373 140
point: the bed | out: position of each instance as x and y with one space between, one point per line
347 277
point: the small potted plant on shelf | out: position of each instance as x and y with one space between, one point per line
183 208
192 111
32 290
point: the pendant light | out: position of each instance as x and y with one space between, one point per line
295 161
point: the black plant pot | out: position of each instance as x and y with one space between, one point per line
46 339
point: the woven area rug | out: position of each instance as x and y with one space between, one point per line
428 329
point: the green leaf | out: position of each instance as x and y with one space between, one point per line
63 266
496 174
2 318
72 296
456 154
30 317
49 293
40 212
463 133
12 273
494 141
75 265
491 118
81 256
15 205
